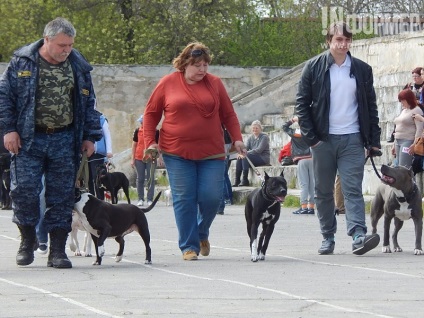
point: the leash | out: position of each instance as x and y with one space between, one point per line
255 169
373 153
152 154
83 173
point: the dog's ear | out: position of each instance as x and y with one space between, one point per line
266 176
282 173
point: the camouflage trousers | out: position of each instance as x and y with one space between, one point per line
54 156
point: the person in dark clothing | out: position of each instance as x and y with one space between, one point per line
48 117
338 117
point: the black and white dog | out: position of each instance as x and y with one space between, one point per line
263 206
105 220
112 182
397 198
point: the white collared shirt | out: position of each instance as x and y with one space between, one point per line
343 103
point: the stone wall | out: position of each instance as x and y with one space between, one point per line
123 90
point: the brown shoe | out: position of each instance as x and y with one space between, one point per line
190 256
205 247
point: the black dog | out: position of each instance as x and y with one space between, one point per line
112 182
263 206
105 220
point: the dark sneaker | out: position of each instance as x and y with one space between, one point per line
311 211
42 248
363 244
301 211
327 246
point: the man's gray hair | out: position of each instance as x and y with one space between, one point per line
59 25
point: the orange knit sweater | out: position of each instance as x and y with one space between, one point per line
193 115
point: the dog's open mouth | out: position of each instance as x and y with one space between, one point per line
280 198
387 179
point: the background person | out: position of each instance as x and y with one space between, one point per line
338 117
257 146
102 152
45 132
195 105
227 193
407 130
301 154
142 165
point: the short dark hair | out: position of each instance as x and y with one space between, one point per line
336 28
417 70
409 96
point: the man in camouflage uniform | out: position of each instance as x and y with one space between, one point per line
47 116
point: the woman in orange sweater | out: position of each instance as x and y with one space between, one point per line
194 104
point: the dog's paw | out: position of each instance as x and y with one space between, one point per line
398 249
386 249
261 257
96 263
418 252
77 253
148 262
254 258
88 255
101 250
118 258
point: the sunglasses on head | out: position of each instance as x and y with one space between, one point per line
197 53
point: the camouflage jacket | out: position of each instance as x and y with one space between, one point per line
18 88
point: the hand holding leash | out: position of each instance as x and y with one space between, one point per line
240 148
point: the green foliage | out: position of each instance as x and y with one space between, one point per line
154 32
291 201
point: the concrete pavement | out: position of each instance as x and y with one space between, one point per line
293 281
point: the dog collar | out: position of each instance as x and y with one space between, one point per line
407 198
267 197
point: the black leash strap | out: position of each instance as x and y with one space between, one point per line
83 173
153 155
374 153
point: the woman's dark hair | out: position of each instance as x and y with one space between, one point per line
417 70
193 53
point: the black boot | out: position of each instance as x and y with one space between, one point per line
245 181
25 254
57 256
238 175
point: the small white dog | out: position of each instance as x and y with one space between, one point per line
168 196
74 245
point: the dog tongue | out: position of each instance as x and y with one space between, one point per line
280 199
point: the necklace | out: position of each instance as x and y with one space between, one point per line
198 101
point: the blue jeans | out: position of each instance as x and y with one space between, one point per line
196 187
227 194
345 154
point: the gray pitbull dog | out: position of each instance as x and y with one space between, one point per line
397 198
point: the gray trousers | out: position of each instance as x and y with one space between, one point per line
346 154
143 174
305 174
404 159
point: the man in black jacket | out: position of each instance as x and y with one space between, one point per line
338 116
